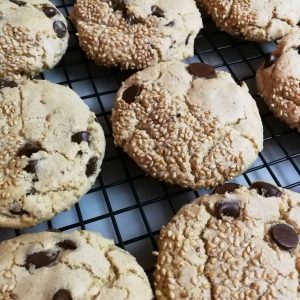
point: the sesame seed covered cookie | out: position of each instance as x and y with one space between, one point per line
255 20
51 150
278 79
135 34
33 37
238 243
81 265
187 124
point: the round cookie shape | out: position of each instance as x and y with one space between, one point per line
254 20
278 79
135 34
33 37
187 124
70 266
255 254
51 151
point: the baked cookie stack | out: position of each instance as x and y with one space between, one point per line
185 124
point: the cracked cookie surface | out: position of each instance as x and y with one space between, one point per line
135 34
51 151
238 243
33 37
81 265
255 20
187 125
278 79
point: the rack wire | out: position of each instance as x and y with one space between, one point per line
124 204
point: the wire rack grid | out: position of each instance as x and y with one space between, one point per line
123 204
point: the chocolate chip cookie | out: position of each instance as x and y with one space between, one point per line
33 37
239 243
69 266
51 149
136 34
254 20
278 79
187 124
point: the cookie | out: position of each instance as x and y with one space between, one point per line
187 124
33 37
135 34
69 266
238 243
278 79
254 20
51 149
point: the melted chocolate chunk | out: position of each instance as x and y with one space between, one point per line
29 148
7 83
226 188
60 29
130 18
62 294
285 236
18 211
40 259
298 49
33 190
170 24
49 11
30 168
82 136
91 166
227 208
18 2
266 189
117 4
130 93
269 60
158 12
202 70
67 245
188 39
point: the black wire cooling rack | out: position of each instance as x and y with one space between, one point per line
124 204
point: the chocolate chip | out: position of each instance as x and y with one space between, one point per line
188 39
18 2
30 168
227 208
7 83
170 24
67 245
79 153
266 189
33 190
269 60
226 188
298 49
285 236
49 11
18 211
116 4
130 93
91 166
40 259
60 29
158 12
29 148
131 19
81 136
62 295
202 70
